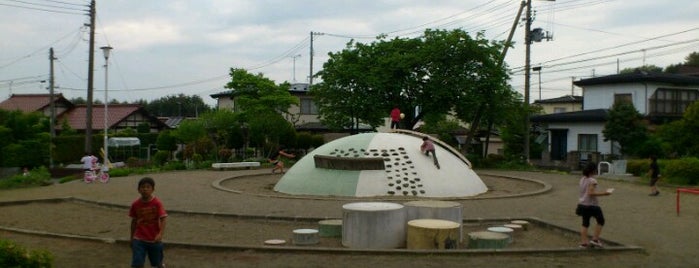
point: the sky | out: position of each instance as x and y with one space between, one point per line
171 47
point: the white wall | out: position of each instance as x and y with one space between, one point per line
604 147
602 96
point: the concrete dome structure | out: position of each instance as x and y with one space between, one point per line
381 164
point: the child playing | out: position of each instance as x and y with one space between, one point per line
277 162
427 147
588 207
147 226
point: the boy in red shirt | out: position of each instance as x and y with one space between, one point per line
147 226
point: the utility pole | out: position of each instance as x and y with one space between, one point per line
90 80
527 73
52 108
310 75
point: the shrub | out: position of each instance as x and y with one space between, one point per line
14 255
680 171
36 177
638 167
161 157
119 172
174 165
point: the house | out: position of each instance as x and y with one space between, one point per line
564 104
120 116
304 117
576 137
36 103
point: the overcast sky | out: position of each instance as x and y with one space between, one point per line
168 47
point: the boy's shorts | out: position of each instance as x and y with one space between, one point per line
140 249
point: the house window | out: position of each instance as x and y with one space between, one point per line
558 110
587 142
308 106
668 101
618 98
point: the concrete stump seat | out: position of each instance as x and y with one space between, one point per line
487 240
503 230
330 228
305 237
433 234
435 209
373 225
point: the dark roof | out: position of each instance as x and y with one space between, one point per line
294 88
172 122
595 115
222 94
299 87
637 77
563 99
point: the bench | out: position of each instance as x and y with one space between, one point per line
247 165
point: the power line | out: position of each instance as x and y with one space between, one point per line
45 8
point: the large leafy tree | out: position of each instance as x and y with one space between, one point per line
625 125
261 105
24 139
691 60
441 72
679 134
177 105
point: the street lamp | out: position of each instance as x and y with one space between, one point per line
538 69
294 70
105 51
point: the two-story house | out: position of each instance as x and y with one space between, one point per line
564 104
577 136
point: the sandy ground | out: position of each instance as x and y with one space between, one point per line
633 218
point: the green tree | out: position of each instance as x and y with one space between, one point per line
677 134
691 60
24 139
261 105
625 125
441 72
645 68
177 105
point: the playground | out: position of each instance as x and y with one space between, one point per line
201 235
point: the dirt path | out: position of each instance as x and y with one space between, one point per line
633 218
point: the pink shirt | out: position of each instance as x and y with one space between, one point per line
427 146
586 199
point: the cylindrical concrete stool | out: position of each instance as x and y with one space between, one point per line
524 224
435 209
330 228
373 225
487 240
433 234
305 237
503 230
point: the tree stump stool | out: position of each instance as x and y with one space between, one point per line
504 230
330 228
373 225
433 234
487 240
305 237
524 224
435 209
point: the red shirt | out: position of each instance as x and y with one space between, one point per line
395 115
147 215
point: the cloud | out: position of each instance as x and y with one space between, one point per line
144 33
